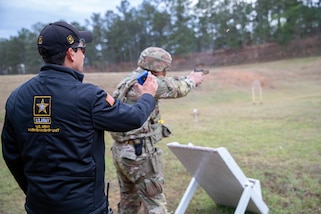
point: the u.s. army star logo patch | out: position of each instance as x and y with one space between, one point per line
42 116
42 106
42 110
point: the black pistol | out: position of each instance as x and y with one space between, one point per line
201 70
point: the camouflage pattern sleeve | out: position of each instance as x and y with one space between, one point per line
173 87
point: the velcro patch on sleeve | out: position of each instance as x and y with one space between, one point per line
110 100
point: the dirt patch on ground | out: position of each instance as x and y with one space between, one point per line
251 54
241 78
237 56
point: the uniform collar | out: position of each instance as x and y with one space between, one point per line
63 69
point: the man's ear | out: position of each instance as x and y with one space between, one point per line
70 54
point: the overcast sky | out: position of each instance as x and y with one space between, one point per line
18 14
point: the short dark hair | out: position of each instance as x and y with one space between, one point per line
58 58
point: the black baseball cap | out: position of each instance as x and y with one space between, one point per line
59 36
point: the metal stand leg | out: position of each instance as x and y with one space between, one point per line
183 204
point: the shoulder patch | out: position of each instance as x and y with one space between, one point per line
110 100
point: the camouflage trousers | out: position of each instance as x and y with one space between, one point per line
140 178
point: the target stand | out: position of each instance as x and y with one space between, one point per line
223 180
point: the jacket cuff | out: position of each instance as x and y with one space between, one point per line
189 82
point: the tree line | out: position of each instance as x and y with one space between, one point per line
179 26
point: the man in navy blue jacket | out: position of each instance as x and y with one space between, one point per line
53 134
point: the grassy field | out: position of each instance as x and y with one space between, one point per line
277 142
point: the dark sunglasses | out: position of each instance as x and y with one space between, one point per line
82 48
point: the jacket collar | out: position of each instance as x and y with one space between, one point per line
63 69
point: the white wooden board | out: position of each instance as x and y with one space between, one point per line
220 176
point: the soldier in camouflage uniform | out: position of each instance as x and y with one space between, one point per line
137 160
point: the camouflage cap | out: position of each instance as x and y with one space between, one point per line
155 59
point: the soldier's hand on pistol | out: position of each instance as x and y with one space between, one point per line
196 77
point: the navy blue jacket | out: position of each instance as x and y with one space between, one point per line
53 139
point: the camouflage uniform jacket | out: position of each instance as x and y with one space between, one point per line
168 87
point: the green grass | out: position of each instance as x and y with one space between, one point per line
278 142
